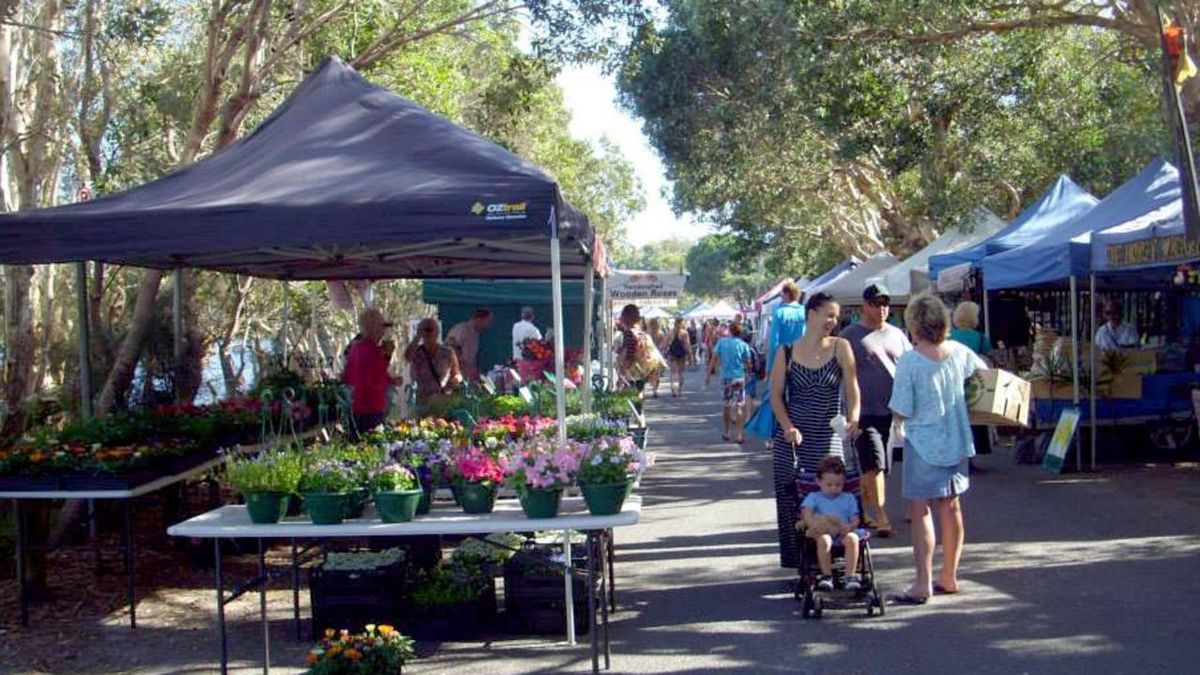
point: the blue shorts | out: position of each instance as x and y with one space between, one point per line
921 480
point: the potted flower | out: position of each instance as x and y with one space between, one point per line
266 482
396 492
429 460
607 468
326 487
378 649
539 471
477 475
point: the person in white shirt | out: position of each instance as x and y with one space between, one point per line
1115 334
523 330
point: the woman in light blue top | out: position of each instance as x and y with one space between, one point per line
929 396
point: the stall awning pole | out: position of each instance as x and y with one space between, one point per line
177 326
589 281
287 320
560 399
605 331
987 315
85 342
1092 366
1075 362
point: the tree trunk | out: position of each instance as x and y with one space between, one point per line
19 347
116 387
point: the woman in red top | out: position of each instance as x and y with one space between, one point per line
367 373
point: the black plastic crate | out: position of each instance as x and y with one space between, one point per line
352 599
464 621
534 597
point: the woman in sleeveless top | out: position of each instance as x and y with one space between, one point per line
817 373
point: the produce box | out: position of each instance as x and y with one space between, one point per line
353 598
534 597
998 398
1125 385
1043 389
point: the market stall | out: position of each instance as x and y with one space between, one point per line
345 180
832 274
847 288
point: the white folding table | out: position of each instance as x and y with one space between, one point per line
232 522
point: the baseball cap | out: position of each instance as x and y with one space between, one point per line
875 292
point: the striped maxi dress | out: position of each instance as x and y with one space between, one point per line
814 397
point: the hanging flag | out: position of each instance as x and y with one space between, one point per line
1177 68
1175 41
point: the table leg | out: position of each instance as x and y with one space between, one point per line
569 587
592 554
130 591
612 576
221 606
296 591
22 582
603 549
92 534
262 608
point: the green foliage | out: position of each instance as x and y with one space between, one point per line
271 471
442 587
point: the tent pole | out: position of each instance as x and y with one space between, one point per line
560 398
605 331
287 320
589 281
987 315
177 324
85 342
1092 366
1075 363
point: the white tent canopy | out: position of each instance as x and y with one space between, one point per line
722 310
655 313
911 275
847 289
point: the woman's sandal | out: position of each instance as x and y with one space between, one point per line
906 599
939 589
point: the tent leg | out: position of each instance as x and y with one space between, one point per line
560 399
1075 363
987 315
287 320
177 323
589 281
1092 366
85 342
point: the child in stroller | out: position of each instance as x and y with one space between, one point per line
829 529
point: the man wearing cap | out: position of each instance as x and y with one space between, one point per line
877 346
464 339
367 372
524 330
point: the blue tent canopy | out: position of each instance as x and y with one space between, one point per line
344 180
1062 202
1066 251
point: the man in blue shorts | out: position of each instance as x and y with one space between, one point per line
734 357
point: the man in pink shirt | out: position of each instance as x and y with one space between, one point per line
367 373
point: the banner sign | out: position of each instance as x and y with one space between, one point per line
645 288
1153 251
1064 431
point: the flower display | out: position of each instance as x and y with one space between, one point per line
512 428
391 477
589 427
327 475
611 459
272 471
541 464
378 649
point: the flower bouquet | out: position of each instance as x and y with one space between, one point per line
430 460
539 470
396 492
477 474
378 649
326 486
266 482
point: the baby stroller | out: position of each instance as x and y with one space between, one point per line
814 601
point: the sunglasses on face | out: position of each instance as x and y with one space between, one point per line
880 303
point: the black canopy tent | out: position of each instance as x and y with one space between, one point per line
344 180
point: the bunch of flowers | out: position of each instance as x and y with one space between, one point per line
537 349
327 475
430 459
476 466
542 464
425 429
592 426
512 428
611 459
378 649
391 477
47 455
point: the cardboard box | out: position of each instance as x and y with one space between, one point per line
1125 385
1042 389
998 398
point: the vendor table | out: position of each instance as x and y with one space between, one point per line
126 496
1163 395
232 522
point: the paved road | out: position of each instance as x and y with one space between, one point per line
1093 573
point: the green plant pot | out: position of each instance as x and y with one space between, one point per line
398 507
326 508
356 502
605 499
476 497
424 502
266 508
538 503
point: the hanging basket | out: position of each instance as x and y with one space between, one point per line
266 508
476 498
537 503
605 499
398 507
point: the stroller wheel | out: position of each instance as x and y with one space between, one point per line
880 604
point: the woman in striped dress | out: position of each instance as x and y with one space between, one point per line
820 383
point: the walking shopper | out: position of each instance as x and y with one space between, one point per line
677 345
693 336
464 339
928 394
787 326
656 333
966 322
433 366
733 356
810 379
877 345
